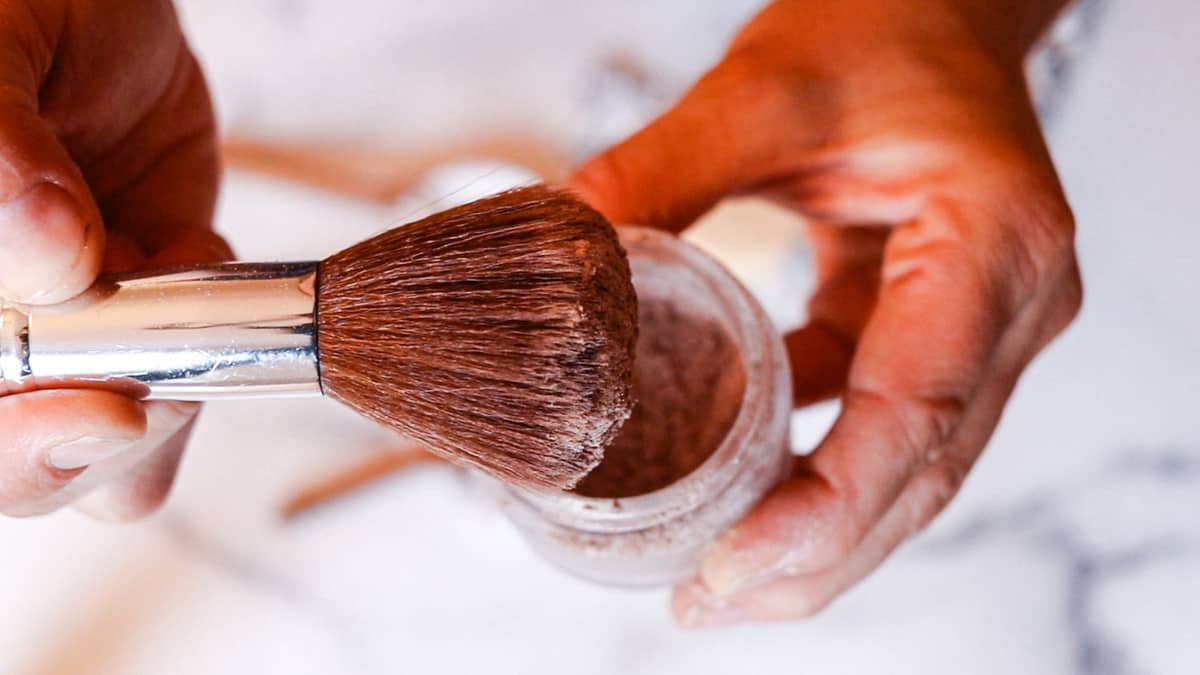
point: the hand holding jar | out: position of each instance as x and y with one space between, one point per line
944 245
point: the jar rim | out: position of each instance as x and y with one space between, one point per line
755 336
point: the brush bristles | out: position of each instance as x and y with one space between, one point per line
499 333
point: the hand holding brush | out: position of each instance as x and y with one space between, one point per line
486 338
109 151
499 333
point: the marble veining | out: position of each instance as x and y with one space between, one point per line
1038 522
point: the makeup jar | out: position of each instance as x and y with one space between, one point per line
713 383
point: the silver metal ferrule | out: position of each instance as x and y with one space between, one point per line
223 331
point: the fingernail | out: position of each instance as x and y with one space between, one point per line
713 614
728 570
42 237
700 617
85 451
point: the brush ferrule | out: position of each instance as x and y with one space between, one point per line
223 331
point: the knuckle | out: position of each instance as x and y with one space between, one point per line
1039 244
936 254
745 75
1014 221
921 423
937 485
1073 293
841 543
1068 298
756 86
933 420
1043 268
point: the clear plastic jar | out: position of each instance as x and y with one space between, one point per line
659 537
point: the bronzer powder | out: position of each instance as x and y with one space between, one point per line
688 382
706 439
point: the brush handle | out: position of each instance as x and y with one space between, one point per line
196 333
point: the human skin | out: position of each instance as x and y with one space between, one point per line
944 250
108 162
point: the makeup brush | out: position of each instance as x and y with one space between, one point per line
500 334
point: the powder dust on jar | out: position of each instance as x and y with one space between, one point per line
705 442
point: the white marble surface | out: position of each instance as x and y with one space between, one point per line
1073 548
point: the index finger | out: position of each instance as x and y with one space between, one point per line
158 186
725 135
944 305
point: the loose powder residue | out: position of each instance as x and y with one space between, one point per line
688 382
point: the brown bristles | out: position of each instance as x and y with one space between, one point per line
499 333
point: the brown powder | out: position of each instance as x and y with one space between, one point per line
688 381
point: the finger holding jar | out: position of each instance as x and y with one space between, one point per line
945 263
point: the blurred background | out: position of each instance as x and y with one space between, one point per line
1074 546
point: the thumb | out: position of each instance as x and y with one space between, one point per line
51 236
671 172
